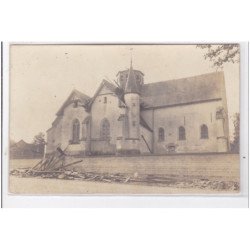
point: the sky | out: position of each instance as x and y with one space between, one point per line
43 76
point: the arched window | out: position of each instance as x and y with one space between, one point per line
182 133
105 129
76 131
204 132
161 134
86 128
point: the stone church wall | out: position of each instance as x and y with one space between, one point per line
123 134
70 114
54 136
105 106
208 165
61 133
191 117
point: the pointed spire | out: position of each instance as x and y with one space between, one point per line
131 85
131 57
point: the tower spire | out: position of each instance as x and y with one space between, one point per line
131 84
131 58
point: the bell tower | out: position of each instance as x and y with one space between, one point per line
122 76
132 123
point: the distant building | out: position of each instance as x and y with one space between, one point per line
186 115
24 150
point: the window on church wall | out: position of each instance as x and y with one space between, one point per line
161 134
204 131
76 131
105 129
75 104
105 99
85 128
182 133
138 79
84 132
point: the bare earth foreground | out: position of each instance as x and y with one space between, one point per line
222 170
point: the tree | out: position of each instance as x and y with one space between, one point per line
235 144
221 54
39 139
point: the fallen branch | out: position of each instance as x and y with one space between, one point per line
70 164
47 172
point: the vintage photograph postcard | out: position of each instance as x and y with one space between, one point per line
124 119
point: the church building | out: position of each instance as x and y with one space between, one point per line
129 116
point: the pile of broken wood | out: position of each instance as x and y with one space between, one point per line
50 167
59 166
56 166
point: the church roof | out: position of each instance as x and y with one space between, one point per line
107 84
75 94
131 85
126 70
183 91
104 83
110 85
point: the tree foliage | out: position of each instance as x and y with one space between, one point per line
39 139
221 54
235 145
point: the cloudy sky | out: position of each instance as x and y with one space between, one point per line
42 76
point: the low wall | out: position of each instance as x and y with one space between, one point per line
224 166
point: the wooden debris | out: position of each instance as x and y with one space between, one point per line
61 176
73 163
50 167
127 179
54 167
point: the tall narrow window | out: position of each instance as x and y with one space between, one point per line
86 128
182 133
105 129
161 134
76 131
75 105
204 132
105 99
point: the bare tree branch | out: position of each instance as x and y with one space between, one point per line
221 54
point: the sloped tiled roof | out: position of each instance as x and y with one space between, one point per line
126 70
109 85
182 91
82 97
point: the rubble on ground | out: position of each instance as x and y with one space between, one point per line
56 167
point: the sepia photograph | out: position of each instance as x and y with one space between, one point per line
124 124
135 119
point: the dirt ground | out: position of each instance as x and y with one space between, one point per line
40 186
54 186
